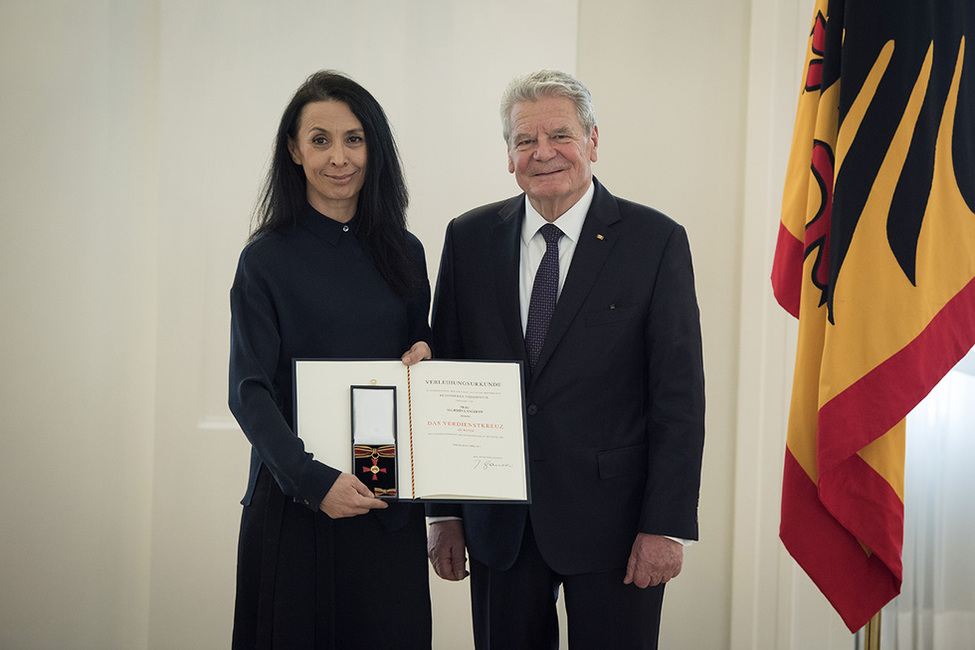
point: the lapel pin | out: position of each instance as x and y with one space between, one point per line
600 237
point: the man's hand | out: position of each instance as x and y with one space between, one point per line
418 352
653 561
445 548
348 497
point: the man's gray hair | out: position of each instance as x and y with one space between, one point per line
547 83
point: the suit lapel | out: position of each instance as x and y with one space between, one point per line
506 241
595 243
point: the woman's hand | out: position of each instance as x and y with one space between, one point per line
418 352
348 497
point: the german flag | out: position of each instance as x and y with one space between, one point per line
876 258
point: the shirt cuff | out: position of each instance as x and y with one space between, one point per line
435 520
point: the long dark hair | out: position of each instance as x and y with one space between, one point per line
381 212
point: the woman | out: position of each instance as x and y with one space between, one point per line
329 271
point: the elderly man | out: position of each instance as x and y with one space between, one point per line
596 295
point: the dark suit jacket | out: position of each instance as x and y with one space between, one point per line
615 405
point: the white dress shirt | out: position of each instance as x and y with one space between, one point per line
533 246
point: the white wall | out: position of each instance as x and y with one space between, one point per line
78 319
670 99
133 138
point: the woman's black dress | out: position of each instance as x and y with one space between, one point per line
305 580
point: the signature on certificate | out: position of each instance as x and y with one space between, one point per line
483 464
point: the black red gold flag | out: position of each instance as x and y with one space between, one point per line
876 258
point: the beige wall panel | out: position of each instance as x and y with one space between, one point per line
77 322
669 85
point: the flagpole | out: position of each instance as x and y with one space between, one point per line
872 633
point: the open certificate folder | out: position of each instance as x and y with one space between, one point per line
435 431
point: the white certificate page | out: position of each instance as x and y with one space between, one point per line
469 437
460 425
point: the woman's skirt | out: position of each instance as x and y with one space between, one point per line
307 581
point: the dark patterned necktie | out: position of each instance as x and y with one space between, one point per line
545 291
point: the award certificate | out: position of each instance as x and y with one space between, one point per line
434 431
